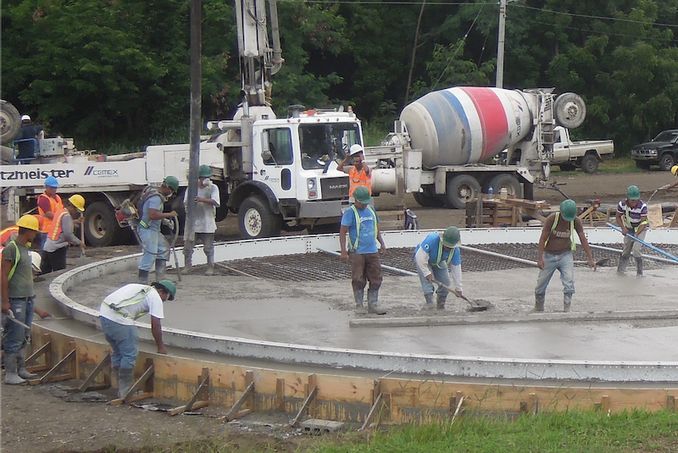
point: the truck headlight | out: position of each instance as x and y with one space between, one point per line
312 186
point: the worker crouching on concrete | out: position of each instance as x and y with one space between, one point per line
118 312
556 247
18 298
204 222
632 217
361 224
433 258
60 235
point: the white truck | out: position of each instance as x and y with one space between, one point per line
586 154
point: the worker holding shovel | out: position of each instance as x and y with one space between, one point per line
433 258
556 247
632 218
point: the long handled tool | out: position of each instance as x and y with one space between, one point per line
475 305
12 318
647 244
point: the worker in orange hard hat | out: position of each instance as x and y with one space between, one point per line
60 235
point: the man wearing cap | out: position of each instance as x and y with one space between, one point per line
18 297
204 224
117 314
49 203
358 239
433 258
632 217
360 173
27 147
60 235
155 248
556 247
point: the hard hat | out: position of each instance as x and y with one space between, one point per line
451 237
168 286
29 221
633 193
25 118
36 261
205 171
674 170
172 182
51 181
362 194
568 209
78 202
356 149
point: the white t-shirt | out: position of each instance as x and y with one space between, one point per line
151 304
204 220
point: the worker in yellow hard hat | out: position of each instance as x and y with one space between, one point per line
60 235
674 172
10 233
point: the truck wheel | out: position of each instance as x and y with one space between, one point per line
460 189
666 162
589 163
256 219
10 122
509 182
566 167
427 201
101 227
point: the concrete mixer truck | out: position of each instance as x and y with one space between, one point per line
443 147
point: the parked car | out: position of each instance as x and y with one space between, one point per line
662 151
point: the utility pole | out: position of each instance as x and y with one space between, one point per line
500 44
195 116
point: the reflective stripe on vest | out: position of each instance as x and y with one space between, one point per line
55 232
55 204
7 233
628 219
359 178
573 245
132 300
440 254
17 257
351 246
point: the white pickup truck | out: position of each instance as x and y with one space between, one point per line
586 155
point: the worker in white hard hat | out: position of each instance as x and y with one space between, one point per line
360 173
60 235
28 138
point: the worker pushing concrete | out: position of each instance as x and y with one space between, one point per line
433 257
632 218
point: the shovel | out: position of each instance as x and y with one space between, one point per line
475 305
601 262
82 259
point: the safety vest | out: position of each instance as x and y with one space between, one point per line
55 204
628 219
437 259
359 178
7 233
17 257
56 229
354 246
132 300
573 245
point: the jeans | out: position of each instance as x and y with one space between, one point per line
123 339
564 262
155 248
17 336
440 274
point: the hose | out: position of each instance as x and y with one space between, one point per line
175 233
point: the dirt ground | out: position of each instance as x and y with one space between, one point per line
34 420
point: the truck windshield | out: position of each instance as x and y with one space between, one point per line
666 136
321 143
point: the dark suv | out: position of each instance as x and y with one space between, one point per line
662 151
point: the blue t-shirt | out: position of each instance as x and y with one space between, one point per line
431 245
367 243
154 202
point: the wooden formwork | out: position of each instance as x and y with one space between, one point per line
357 398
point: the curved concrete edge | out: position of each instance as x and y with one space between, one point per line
416 364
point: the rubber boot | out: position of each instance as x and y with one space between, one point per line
429 301
440 301
125 381
372 297
567 302
359 296
188 265
621 268
210 266
21 365
539 302
143 277
160 270
11 376
639 267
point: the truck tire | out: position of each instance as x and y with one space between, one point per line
569 110
101 227
589 163
567 167
10 122
666 162
427 201
509 182
256 220
460 189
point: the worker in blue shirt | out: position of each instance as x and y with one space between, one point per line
433 258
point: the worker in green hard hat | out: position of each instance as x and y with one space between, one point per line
204 221
433 257
556 252
632 217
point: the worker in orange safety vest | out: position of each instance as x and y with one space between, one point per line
360 173
60 235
